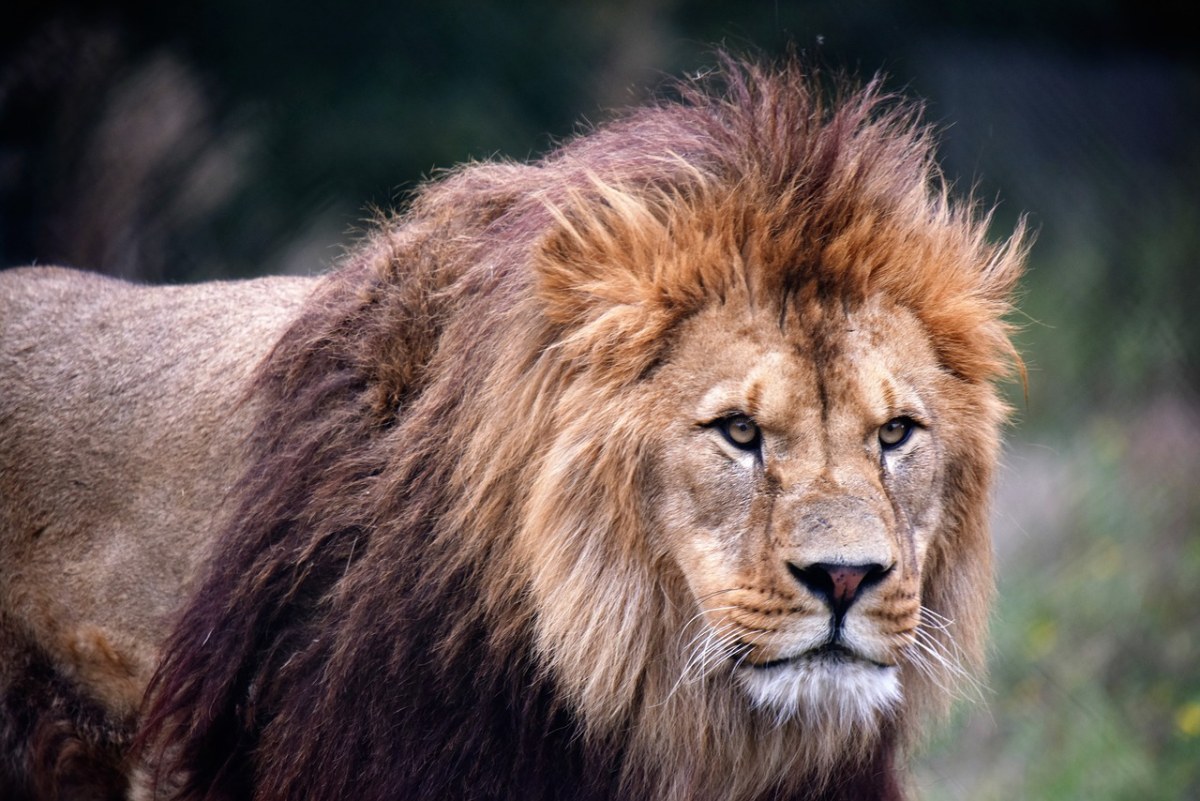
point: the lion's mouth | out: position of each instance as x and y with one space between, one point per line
830 653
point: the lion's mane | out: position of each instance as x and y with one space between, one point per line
445 446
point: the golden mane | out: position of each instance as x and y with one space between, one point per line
436 583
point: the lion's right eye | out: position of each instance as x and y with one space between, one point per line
895 432
741 432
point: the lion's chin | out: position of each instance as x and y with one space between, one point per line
823 688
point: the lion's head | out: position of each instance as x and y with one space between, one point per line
657 468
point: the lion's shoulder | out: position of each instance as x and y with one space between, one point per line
121 423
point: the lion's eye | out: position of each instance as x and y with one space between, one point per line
895 432
741 431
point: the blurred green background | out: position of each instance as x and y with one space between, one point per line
172 143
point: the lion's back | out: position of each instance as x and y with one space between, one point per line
121 412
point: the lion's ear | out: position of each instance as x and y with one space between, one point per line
599 282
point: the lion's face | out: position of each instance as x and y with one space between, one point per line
757 428
798 490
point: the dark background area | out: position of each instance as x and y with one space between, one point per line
173 143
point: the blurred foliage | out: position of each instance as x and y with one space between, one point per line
1094 690
224 139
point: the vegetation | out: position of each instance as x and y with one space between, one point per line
1094 691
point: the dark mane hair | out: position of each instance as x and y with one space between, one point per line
364 630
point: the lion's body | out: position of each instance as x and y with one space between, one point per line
656 469
117 451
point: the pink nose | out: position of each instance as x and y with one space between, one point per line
846 581
838 585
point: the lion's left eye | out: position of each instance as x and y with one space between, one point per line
741 432
895 432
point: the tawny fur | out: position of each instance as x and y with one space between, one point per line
462 520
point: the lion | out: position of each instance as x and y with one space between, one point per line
656 468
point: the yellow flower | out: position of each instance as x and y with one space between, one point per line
1187 719
1041 639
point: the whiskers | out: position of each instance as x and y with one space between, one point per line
935 655
709 648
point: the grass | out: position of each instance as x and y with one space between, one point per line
1095 673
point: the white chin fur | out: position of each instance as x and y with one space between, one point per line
840 693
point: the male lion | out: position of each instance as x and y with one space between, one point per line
655 469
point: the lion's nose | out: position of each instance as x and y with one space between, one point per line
838 585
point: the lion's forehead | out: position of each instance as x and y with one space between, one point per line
769 379
871 364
